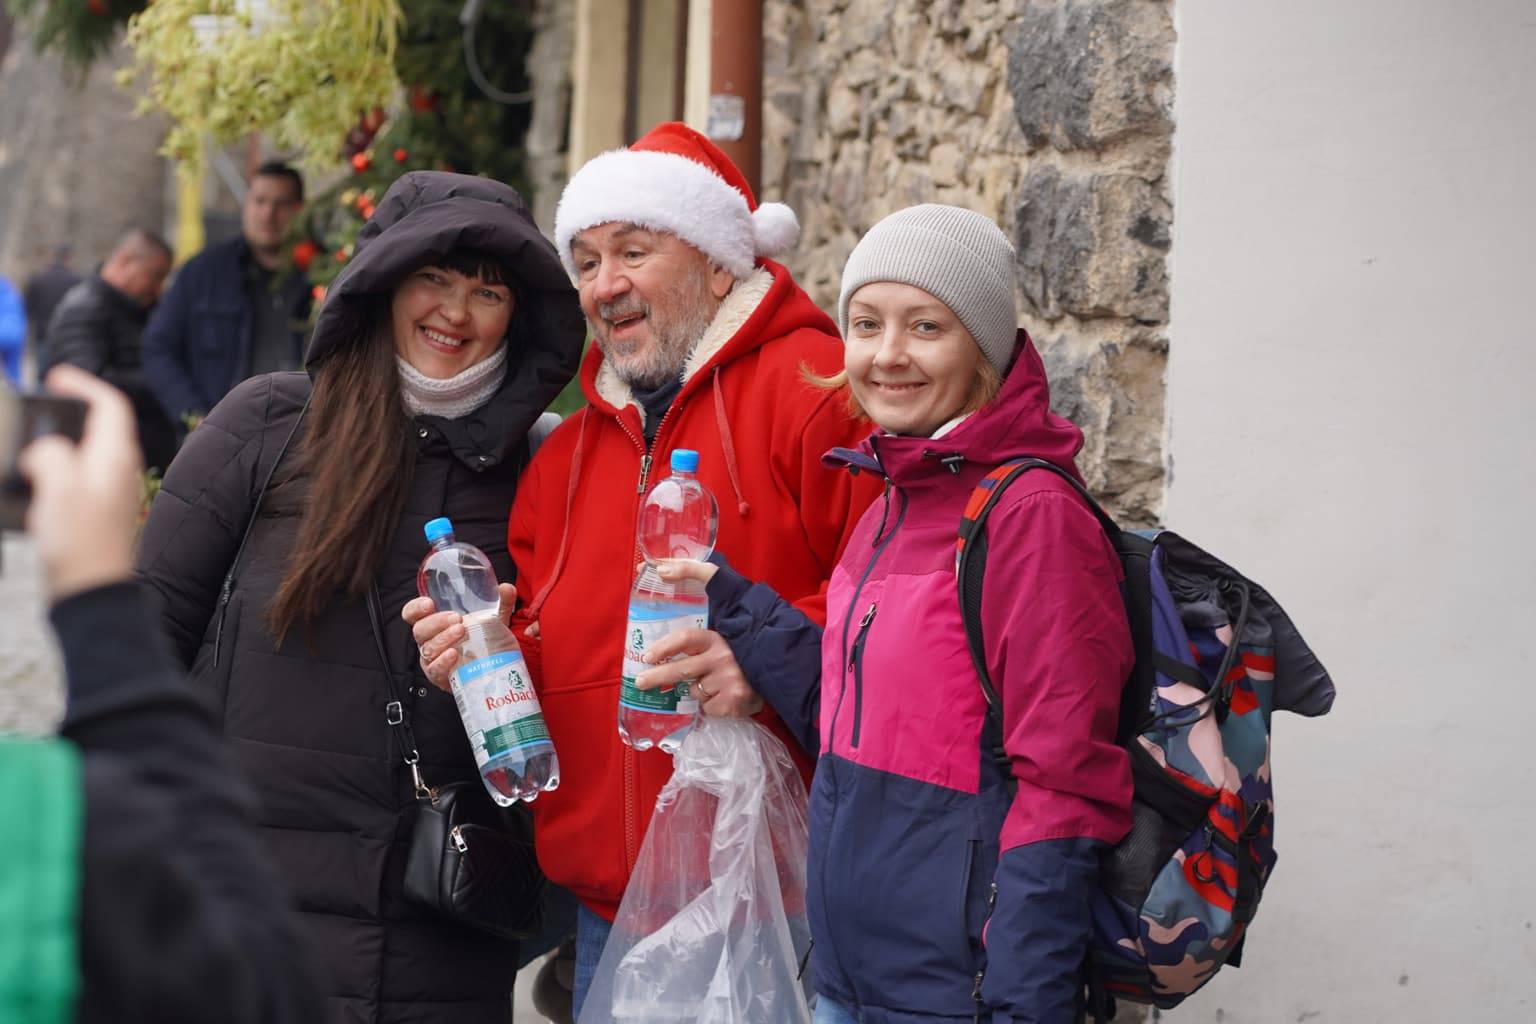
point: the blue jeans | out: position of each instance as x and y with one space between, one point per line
591 935
828 1012
559 926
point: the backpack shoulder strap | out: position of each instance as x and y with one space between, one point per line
970 569
541 429
1134 551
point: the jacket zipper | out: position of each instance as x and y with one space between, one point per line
856 662
631 826
853 602
631 823
980 975
225 592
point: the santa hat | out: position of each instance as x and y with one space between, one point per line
674 179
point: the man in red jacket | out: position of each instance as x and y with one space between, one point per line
703 343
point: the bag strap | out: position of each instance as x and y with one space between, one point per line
970 568
541 429
227 588
395 713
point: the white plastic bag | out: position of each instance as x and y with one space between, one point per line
712 927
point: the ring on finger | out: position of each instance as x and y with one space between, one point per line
706 694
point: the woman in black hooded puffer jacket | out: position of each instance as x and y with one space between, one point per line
450 330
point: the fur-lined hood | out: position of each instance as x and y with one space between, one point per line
765 304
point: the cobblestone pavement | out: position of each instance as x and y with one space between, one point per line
31 694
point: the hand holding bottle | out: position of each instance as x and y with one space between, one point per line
678 519
702 656
490 684
438 634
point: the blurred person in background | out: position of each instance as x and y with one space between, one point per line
98 326
131 884
13 330
44 290
236 309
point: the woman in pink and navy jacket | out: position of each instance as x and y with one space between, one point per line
936 890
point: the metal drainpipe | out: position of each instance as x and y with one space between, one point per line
736 84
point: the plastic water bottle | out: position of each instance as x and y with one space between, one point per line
491 684
678 519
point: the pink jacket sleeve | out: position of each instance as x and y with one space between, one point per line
1059 650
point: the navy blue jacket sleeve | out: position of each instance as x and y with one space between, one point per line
164 350
777 646
1038 935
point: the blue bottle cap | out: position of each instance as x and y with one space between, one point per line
685 460
437 529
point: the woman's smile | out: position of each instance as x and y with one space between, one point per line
440 339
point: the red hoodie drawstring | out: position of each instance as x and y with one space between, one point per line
565 531
729 446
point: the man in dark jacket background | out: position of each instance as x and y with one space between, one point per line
98 327
234 311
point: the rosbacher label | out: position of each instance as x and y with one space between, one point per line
641 633
500 710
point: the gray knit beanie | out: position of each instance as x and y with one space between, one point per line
958 256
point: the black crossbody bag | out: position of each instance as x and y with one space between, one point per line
468 859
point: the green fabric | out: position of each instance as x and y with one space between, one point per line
40 828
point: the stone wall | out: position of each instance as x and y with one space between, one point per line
77 166
549 76
1050 116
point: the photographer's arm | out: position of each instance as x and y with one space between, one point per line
181 918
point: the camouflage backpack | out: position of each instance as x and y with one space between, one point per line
1215 656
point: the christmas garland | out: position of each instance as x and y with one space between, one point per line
440 121
298 70
79 31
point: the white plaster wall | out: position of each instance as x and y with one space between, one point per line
1351 423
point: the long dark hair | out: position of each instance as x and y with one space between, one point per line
359 455
358 452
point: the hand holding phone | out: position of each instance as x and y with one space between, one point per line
23 419
86 496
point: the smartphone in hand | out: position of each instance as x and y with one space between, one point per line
23 419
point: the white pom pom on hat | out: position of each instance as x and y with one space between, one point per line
674 179
776 229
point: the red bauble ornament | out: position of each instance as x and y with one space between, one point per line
318 293
341 255
400 155
99 7
304 254
422 99
374 119
361 162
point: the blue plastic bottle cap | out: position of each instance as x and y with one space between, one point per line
437 529
685 460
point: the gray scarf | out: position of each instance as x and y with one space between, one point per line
457 396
